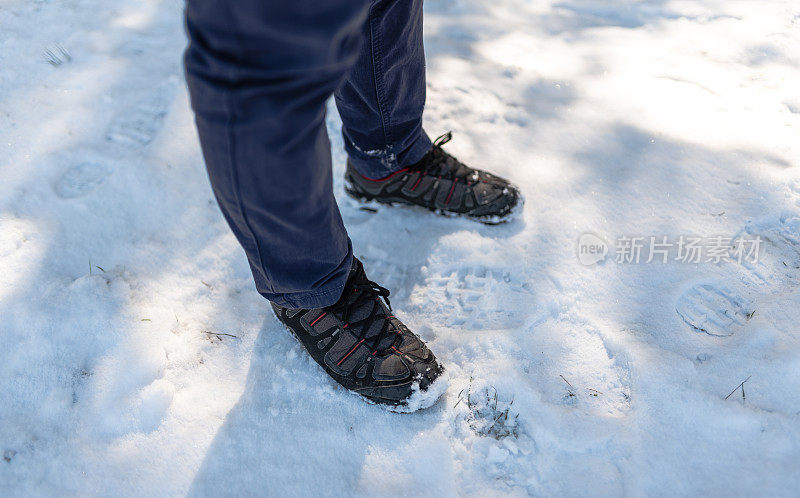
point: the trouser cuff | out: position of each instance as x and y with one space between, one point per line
380 163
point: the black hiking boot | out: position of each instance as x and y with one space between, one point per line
365 348
440 183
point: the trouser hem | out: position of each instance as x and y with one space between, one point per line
308 300
380 163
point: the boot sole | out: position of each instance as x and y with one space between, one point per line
366 199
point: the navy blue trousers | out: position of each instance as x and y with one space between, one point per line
259 74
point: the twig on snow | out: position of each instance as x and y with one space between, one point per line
737 388
220 334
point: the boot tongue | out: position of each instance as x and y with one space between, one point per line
356 274
367 307
391 333
363 311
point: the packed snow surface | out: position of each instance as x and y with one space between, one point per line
138 360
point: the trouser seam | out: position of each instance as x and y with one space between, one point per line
235 174
380 88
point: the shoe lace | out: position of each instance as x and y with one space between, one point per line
362 291
439 163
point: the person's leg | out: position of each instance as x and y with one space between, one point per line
382 99
391 159
259 74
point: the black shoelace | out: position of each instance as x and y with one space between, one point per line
363 291
440 164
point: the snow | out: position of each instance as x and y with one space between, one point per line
119 277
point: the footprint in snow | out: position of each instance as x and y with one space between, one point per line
778 266
476 298
81 179
711 309
134 128
138 126
722 310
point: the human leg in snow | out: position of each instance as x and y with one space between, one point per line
391 158
381 100
259 73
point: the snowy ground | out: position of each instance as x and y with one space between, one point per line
619 118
